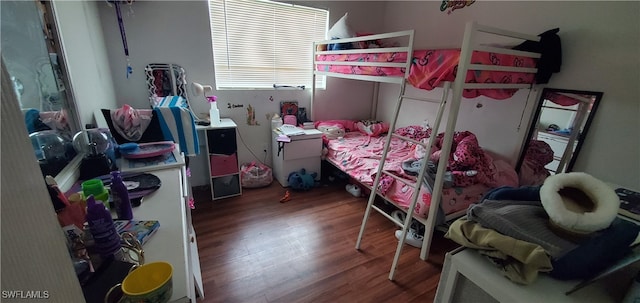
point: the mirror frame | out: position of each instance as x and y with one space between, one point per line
581 136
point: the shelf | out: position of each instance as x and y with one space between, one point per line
222 160
219 176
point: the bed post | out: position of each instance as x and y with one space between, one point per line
374 101
454 108
313 81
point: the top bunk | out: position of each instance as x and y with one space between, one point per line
492 71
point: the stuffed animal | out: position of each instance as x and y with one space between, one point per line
300 180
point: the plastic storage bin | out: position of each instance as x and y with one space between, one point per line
226 186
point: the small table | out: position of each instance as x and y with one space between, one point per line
303 151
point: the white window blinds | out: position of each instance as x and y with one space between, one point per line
257 44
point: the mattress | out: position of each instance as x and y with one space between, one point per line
359 155
430 68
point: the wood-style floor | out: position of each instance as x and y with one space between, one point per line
255 249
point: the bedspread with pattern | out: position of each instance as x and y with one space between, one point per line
359 156
429 68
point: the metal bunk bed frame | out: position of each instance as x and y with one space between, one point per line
469 44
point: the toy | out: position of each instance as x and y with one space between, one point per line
300 180
286 197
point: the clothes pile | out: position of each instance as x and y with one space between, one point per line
511 227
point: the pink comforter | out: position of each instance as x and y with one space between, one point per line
430 68
359 156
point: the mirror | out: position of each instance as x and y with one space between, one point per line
31 56
165 80
561 120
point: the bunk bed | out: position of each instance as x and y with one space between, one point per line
469 72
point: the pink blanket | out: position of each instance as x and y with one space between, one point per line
430 68
359 156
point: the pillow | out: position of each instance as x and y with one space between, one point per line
340 29
372 128
332 132
347 125
153 132
368 43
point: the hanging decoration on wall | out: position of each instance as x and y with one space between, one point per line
453 5
117 3
251 116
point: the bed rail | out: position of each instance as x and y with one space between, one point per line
407 47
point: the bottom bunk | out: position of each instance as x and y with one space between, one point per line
356 149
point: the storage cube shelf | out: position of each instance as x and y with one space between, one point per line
222 150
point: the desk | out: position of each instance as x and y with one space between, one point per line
468 276
304 151
175 240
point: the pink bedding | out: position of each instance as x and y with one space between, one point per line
431 67
358 155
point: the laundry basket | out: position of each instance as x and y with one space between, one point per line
254 175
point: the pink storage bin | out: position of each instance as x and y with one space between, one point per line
223 164
290 119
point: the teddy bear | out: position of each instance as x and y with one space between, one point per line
300 180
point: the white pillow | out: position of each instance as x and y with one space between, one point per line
341 30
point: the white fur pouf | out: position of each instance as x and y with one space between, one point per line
578 202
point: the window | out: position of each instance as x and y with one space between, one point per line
259 44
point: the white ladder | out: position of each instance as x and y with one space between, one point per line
437 186
464 65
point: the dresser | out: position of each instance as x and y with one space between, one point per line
175 241
304 151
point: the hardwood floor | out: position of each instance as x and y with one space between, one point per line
255 249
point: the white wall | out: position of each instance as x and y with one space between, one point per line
178 32
587 29
84 49
600 42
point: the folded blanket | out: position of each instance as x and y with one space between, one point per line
520 261
524 220
178 124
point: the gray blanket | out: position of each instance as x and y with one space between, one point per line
523 220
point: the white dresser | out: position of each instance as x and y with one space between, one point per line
304 151
175 240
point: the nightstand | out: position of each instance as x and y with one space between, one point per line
304 151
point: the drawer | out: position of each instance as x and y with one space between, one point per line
226 186
223 164
300 149
222 141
